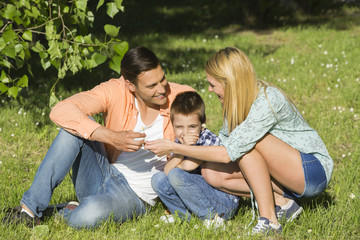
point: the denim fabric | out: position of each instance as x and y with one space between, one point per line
315 177
100 188
187 193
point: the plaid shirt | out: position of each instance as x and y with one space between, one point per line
206 138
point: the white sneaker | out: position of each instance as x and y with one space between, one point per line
216 223
167 218
265 227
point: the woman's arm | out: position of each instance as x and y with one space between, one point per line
206 153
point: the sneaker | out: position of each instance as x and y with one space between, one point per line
64 212
288 214
15 216
265 227
215 223
167 218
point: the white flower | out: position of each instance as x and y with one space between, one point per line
16 125
320 46
133 229
37 123
336 85
355 116
346 62
352 196
216 36
0 129
329 88
344 155
324 74
157 225
19 112
0 162
357 79
272 59
309 230
202 90
343 53
13 135
204 40
210 96
334 108
351 109
325 52
338 80
42 114
58 128
284 80
292 61
196 226
335 59
24 113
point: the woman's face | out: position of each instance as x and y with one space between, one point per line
215 87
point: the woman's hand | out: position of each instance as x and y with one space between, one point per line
161 147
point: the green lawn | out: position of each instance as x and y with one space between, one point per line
316 65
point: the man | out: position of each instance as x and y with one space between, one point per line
111 170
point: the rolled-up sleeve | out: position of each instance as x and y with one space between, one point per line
72 114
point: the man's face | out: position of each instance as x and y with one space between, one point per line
186 125
151 87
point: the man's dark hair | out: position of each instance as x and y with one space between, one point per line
136 61
188 103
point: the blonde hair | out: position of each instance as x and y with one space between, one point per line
233 69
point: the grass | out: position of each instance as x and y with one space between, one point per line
316 65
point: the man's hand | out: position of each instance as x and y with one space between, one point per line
161 147
128 141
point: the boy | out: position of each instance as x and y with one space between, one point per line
180 188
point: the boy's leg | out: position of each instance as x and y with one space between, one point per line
200 198
114 199
161 185
64 151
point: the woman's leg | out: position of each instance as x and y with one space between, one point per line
272 157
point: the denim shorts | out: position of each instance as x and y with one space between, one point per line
315 177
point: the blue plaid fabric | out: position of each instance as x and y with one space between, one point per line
206 138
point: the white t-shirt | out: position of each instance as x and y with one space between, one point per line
138 167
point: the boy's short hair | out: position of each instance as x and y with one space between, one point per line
188 103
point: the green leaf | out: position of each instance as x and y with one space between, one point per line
81 4
9 12
111 9
45 63
3 88
38 47
53 99
111 30
36 13
121 48
13 91
118 5
98 58
27 35
23 81
66 9
9 50
18 47
115 63
4 78
100 3
9 35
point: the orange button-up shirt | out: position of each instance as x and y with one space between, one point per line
117 103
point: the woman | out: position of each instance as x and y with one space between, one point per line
280 156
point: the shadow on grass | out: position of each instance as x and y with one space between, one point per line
324 200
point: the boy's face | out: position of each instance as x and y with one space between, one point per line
187 128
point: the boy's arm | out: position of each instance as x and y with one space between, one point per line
173 162
189 164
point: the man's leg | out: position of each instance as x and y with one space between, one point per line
64 151
200 198
161 185
114 199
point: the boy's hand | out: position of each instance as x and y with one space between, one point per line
189 139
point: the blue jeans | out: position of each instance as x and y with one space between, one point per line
187 193
100 188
